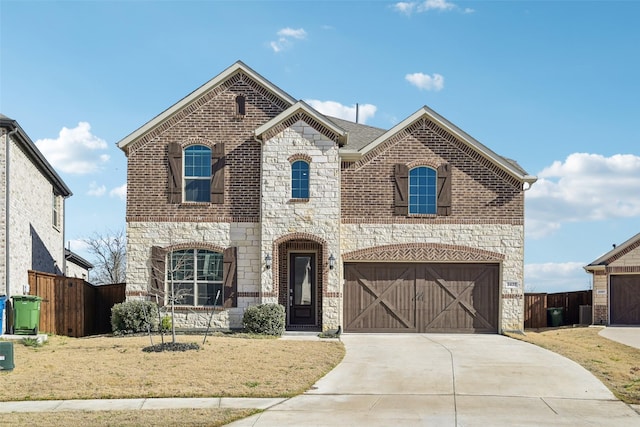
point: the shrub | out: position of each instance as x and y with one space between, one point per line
264 319
134 316
166 324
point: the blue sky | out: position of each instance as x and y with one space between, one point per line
551 84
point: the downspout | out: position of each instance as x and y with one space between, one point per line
7 215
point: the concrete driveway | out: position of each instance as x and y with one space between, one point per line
450 380
628 335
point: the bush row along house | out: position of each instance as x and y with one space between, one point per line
240 194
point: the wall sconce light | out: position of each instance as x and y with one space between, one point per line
267 262
332 262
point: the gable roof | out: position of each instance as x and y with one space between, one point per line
615 253
27 145
355 152
303 111
237 67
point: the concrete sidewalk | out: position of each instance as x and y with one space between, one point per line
628 335
132 404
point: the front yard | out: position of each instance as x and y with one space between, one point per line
615 364
116 367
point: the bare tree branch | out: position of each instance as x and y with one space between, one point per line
110 256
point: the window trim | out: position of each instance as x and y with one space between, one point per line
432 196
195 281
187 179
307 188
56 217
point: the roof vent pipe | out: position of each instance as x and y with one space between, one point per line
357 112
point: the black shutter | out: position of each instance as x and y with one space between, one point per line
230 278
175 173
401 189
217 173
158 264
444 189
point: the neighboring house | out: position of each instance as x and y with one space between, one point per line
32 198
616 285
76 266
239 194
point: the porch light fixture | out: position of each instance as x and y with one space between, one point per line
267 262
332 262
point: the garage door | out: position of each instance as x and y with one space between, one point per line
391 297
625 300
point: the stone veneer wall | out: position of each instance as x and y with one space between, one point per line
34 243
141 236
317 218
600 298
3 213
504 239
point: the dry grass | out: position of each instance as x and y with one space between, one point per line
615 364
116 367
166 417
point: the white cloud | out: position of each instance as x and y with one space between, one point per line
442 5
408 8
335 109
96 190
299 33
78 245
75 151
119 192
405 7
422 81
585 187
556 277
285 36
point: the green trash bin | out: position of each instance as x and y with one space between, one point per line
554 316
26 314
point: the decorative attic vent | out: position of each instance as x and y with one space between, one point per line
240 106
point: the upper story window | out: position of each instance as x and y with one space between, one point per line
300 179
197 174
196 276
422 190
56 216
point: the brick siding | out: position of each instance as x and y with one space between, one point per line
480 190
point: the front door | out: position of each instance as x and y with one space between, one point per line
302 289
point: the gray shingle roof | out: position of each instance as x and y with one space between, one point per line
359 135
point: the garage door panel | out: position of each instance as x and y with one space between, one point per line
422 297
380 298
625 299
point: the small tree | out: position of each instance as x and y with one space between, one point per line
109 250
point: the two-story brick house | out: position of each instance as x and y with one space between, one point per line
32 200
239 194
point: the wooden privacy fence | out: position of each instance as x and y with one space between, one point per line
536 305
73 307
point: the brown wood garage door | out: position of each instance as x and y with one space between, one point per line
390 297
625 300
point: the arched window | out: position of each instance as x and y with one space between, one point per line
300 179
197 174
422 190
194 277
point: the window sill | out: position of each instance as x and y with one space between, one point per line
197 308
299 200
